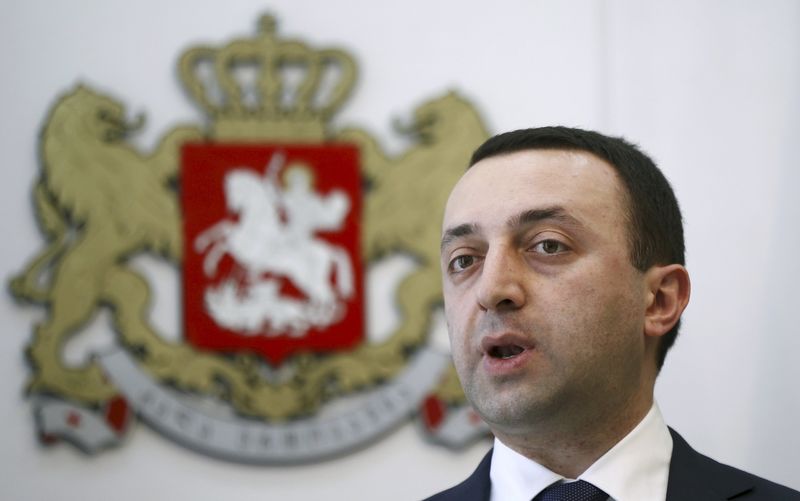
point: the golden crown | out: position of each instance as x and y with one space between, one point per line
264 88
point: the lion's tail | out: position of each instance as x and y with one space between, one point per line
26 285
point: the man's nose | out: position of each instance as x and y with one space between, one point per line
501 282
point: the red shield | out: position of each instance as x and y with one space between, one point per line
272 260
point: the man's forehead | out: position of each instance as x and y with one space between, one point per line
503 186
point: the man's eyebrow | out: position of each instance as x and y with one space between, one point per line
524 218
455 232
532 216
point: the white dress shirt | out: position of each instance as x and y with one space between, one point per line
635 469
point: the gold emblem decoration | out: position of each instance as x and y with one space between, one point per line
99 202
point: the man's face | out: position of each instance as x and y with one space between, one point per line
544 308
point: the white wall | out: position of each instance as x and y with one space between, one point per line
710 89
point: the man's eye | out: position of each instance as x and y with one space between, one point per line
461 263
550 247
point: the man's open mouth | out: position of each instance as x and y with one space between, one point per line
505 351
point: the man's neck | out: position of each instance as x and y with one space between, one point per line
569 449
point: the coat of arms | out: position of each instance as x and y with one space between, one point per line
275 221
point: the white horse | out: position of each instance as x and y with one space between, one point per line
261 242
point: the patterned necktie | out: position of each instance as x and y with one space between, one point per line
572 491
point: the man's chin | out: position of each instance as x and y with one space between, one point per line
514 406
507 411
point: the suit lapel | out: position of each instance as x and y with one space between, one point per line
477 486
694 476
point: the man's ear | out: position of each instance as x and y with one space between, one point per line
668 294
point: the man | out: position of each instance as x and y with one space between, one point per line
564 282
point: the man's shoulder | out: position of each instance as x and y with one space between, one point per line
695 476
474 488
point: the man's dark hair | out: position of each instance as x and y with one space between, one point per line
655 225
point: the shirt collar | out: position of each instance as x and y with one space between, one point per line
515 477
636 468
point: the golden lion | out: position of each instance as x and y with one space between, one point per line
405 206
98 202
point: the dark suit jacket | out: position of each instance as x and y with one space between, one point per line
692 477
